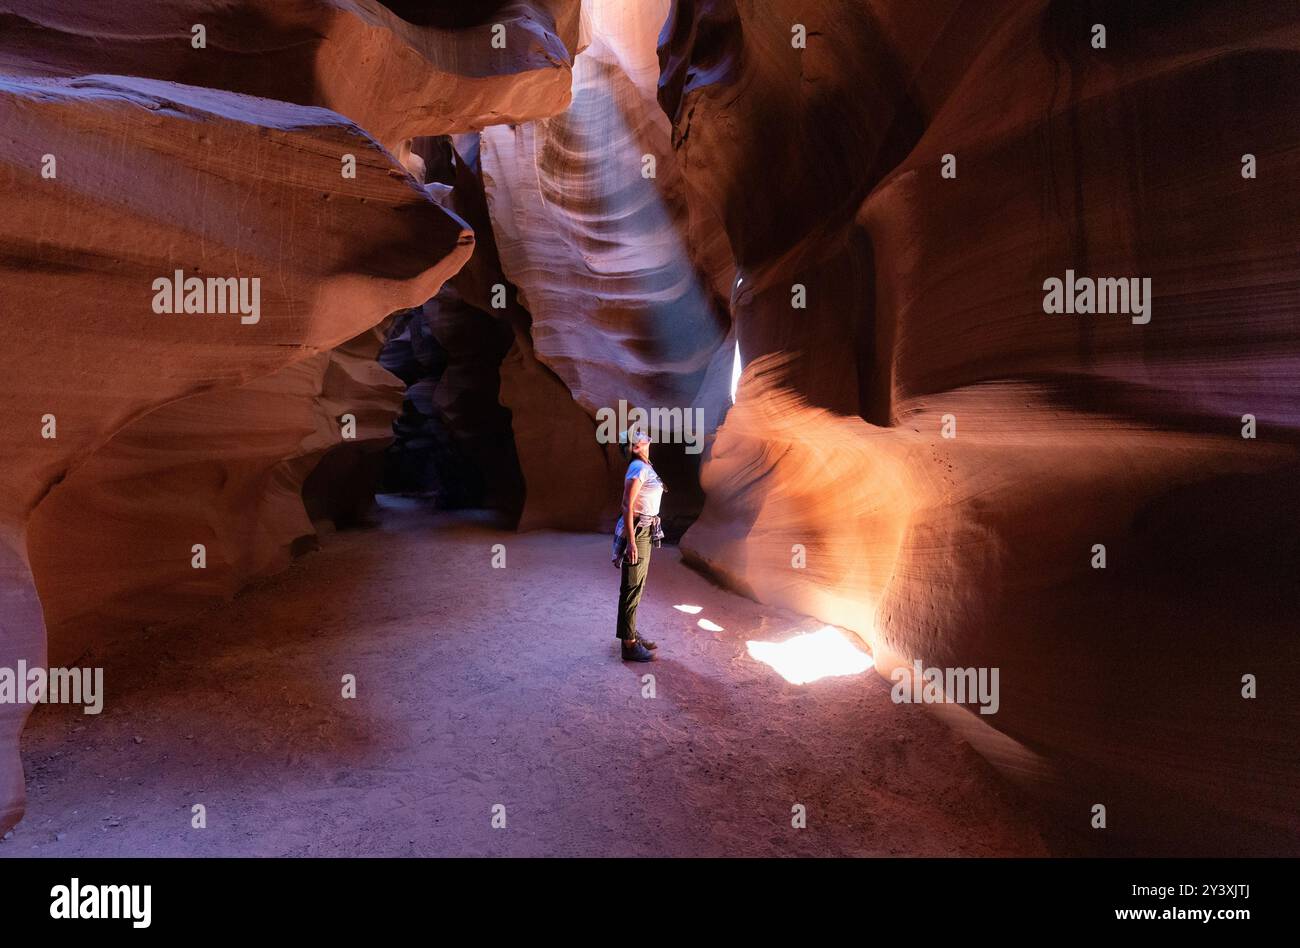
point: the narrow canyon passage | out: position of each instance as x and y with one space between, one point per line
479 686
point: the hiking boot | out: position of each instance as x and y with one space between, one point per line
636 652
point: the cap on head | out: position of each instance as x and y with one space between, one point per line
628 439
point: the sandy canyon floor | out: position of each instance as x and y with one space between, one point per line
479 686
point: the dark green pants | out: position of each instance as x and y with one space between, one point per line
629 592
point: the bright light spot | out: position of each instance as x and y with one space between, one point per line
708 626
692 610
735 373
826 653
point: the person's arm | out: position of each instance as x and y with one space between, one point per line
631 487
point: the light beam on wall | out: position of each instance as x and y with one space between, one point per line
735 373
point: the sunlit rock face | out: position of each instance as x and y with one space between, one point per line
149 179
589 219
569 479
393 71
585 208
949 456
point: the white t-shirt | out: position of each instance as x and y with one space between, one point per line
652 488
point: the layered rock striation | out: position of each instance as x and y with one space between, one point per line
955 454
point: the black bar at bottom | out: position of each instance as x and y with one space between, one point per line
216 897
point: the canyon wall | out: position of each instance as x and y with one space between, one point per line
159 459
601 202
393 69
952 460
111 544
568 480
590 223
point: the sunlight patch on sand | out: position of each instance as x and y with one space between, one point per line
826 653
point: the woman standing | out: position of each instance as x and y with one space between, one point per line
642 491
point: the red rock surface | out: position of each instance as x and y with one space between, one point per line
778 170
396 76
592 243
570 480
151 178
590 221
1120 686
110 544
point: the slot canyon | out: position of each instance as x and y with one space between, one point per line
968 333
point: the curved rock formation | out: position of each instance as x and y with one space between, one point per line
961 528
421 77
112 184
590 221
570 480
866 200
585 208
110 545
